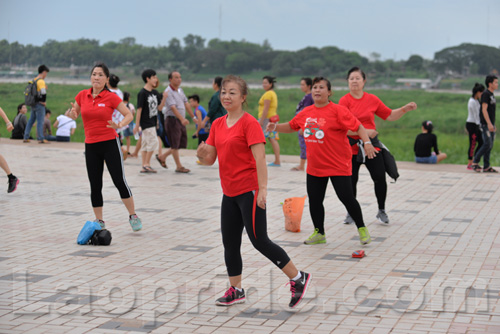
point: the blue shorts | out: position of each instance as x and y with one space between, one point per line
433 159
129 131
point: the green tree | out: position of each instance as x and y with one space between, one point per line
415 63
283 63
238 62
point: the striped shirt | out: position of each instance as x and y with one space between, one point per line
175 98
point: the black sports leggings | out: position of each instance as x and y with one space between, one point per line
242 211
316 189
95 155
376 167
475 139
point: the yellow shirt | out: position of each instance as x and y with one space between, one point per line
41 87
273 107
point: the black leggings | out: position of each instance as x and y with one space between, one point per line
242 211
95 155
316 189
376 167
475 139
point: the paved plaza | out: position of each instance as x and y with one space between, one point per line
434 269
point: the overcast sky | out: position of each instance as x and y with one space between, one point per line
395 29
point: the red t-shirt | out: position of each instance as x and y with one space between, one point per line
96 113
364 109
325 134
237 168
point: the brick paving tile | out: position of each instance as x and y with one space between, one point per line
434 269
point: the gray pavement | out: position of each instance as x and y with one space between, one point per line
434 269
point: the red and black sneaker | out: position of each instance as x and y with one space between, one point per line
299 288
13 182
232 296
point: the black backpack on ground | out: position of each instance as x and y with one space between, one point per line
101 238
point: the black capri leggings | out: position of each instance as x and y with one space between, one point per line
95 155
316 189
475 139
242 211
376 167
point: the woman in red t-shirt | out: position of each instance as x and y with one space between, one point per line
365 106
237 140
97 105
325 127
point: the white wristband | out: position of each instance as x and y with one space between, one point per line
367 142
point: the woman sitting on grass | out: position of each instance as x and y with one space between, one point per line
424 144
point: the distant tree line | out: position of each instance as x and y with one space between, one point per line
217 56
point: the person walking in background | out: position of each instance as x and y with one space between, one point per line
96 105
364 107
176 121
13 181
238 142
473 123
488 128
149 100
20 122
325 126
38 110
200 114
268 109
129 130
307 100
215 108
424 143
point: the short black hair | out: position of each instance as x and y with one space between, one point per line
489 79
147 74
113 80
218 81
270 79
355 69
42 68
308 81
195 97
47 111
318 79
171 74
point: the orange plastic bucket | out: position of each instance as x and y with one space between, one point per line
292 209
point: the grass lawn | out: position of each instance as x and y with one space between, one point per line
447 111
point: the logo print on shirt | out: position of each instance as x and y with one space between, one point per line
153 105
101 105
313 128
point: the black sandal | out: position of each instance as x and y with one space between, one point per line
490 170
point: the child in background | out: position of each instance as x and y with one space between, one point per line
424 144
200 113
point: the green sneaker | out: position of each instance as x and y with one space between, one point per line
315 238
364 236
101 222
135 222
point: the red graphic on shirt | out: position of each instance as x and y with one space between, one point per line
313 128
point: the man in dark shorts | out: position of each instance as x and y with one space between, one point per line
175 120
